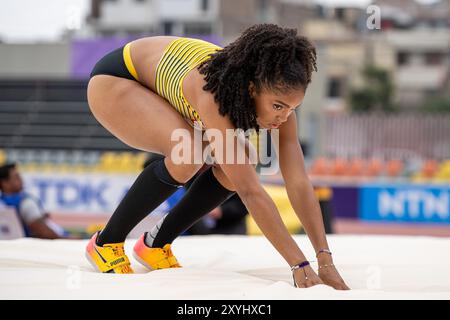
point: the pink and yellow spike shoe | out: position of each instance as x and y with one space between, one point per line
109 258
154 258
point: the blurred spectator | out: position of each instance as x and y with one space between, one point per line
229 218
35 221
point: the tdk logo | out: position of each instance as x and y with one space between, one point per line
414 204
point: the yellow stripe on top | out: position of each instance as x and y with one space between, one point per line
128 61
181 56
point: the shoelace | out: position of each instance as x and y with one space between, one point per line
169 252
118 251
170 255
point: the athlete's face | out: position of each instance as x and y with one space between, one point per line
274 108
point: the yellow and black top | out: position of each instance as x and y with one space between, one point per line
181 56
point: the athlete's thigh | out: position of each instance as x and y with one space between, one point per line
134 114
145 121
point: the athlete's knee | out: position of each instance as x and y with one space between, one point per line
182 172
161 171
223 178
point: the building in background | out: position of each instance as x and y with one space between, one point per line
152 17
418 59
223 18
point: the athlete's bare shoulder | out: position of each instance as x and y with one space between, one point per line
203 101
146 53
193 84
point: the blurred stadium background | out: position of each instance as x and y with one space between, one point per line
375 124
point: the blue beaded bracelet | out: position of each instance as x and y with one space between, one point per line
301 265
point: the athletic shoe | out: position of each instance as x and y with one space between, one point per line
109 258
154 258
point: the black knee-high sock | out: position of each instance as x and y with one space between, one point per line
150 189
205 194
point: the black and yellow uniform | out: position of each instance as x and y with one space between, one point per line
155 184
180 56
116 63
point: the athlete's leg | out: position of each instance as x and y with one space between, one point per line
205 194
145 121
208 191
139 118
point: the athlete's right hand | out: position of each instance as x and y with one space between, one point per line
313 278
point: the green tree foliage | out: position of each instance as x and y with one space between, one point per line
377 93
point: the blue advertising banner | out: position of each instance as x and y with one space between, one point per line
405 203
83 193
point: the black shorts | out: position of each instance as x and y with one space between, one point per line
112 64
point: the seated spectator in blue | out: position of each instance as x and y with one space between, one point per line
35 221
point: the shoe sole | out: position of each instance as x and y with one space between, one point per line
91 261
89 258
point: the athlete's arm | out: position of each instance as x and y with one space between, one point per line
249 189
298 186
301 195
36 219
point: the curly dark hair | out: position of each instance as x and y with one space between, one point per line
268 55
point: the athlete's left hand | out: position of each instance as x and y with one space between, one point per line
329 275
